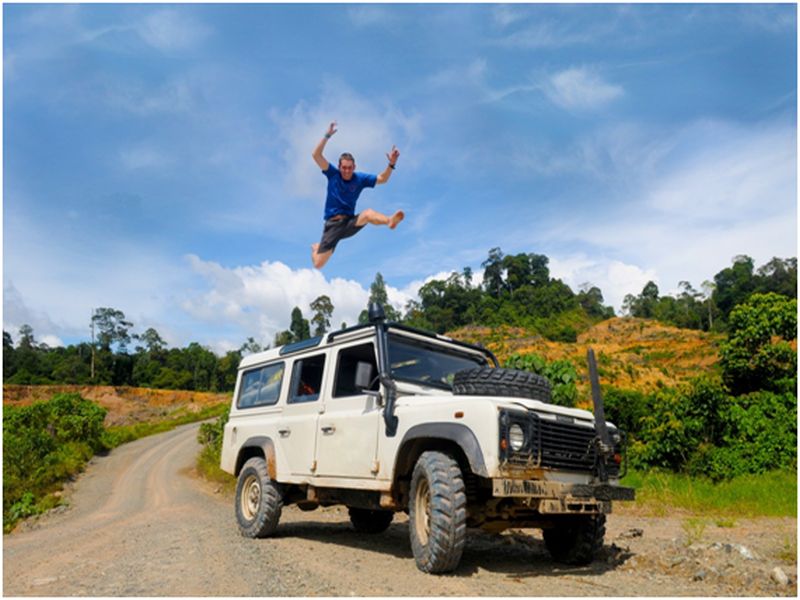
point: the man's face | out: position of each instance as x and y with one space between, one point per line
346 168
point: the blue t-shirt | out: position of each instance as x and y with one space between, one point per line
342 195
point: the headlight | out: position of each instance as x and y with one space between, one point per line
516 437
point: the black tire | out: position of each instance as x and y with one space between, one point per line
365 520
437 513
258 500
577 539
487 381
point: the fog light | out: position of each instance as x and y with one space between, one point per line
516 437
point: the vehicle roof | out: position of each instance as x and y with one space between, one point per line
350 333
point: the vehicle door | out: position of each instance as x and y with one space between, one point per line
347 436
297 431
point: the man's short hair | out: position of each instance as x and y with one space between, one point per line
346 156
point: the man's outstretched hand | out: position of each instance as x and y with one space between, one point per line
393 155
331 130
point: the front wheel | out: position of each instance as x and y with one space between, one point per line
258 500
576 540
437 513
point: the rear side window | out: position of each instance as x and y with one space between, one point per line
261 387
307 379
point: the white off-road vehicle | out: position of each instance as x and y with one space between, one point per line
385 418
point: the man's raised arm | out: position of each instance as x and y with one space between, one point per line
317 154
387 172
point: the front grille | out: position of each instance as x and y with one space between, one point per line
559 445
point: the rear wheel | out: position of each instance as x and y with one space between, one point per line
365 520
258 500
437 513
576 540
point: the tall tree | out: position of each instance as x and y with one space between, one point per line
378 294
26 339
151 340
708 293
734 284
322 308
493 273
111 328
299 326
250 347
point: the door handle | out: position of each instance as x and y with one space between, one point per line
328 429
284 432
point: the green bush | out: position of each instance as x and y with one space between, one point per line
210 436
758 354
560 373
626 409
43 444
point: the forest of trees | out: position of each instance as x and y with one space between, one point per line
516 290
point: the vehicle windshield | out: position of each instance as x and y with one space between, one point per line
428 363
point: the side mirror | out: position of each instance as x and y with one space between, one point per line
363 375
365 379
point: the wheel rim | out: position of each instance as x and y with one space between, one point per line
251 497
422 511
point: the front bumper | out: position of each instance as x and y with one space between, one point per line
550 497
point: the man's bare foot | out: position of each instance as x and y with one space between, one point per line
396 218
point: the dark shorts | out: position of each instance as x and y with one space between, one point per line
336 230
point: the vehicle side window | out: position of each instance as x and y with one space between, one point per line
261 387
307 379
349 358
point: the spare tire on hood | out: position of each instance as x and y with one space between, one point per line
487 381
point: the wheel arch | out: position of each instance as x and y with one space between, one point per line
454 437
262 446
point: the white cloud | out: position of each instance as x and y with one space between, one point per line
745 175
17 313
259 299
615 278
142 157
553 34
472 74
364 15
169 30
504 15
367 128
580 88
712 191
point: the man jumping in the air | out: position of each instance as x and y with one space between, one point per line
344 187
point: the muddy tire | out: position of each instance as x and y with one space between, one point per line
365 520
486 381
258 500
577 539
437 513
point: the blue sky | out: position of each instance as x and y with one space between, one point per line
157 158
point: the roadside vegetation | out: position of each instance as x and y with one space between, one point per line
660 492
49 442
210 438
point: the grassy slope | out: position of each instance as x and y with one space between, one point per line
636 354
126 406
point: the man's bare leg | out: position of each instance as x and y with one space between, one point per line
373 217
319 258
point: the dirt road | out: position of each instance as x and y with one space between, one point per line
140 523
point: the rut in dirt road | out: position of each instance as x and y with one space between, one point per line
138 525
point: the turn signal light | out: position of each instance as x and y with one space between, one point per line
504 444
618 459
